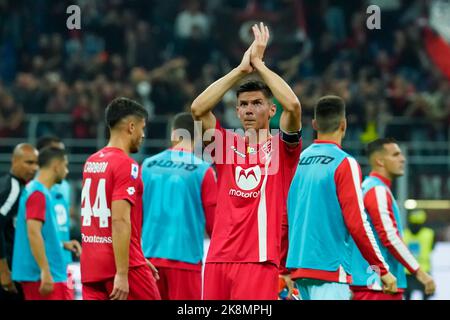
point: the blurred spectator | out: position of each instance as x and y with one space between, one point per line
192 20
84 119
179 48
11 117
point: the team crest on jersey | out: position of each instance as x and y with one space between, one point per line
134 171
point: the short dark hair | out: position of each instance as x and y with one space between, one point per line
47 154
328 113
121 108
46 141
184 120
254 85
378 145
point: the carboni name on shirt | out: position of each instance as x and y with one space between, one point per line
95 167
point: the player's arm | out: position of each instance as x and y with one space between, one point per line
378 202
203 105
121 235
348 189
290 121
5 274
9 195
35 218
125 185
73 246
34 230
209 198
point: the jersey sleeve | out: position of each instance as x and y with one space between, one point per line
8 196
288 161
126 178
290 153
284 244
348 187
222 139
209 198
35 206
378 202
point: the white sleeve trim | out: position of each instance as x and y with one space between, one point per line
12 197
391 230
356 181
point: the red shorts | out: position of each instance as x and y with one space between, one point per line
60 291
179 284
141 284
70 285
375 295
240 281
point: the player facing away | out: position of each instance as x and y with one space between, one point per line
38 256
253 179
112 263
325 207
387 163
180 194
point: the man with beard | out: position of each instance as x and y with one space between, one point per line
112 263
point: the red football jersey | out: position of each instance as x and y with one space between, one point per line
253 183
108 175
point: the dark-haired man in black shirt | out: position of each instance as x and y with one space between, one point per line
24 164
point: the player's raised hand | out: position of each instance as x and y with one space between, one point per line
389 283
121 288
245 65
46 286
261 34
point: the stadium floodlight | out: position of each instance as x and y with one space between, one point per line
411 204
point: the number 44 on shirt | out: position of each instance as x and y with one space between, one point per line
100 208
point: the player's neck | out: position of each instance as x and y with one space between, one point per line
382 172
120 143
46 178
335 137
257 136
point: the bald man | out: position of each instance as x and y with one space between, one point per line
24 164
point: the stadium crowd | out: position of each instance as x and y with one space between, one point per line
163 58
168 60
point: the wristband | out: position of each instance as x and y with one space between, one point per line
291 137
